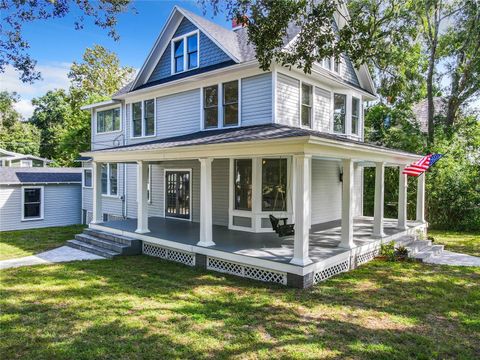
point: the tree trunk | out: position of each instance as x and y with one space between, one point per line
430 108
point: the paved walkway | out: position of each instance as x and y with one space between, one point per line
61 254
455 259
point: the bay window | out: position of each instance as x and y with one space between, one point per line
306 105
143 118
109 179
339 113
108 120
185 53
355 115
243 184
274 184
32 199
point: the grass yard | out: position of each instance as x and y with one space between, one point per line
14 244
467 243
143 307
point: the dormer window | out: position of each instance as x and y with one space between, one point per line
185 52
331 64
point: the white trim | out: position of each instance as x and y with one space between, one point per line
95 117
83 178
189 170
99 104
142 103
312 105
42 202
108 194
185 52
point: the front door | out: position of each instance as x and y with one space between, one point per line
177 197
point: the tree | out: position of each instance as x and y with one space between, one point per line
8 114
15 13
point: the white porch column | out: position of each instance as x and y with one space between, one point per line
142 202
402 199
379 199
206 202
421 198
347 205
97 192
303 172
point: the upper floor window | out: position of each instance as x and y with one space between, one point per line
332 64
110 179
307 105
143 118
185 53
230 103
355 115
339 112
108 120
228 114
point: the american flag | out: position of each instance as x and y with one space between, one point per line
422 165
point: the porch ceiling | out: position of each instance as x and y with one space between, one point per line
260 140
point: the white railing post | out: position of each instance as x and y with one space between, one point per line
142 202
421 198
379 199
347 205
303 164
206 202
97 217
402 199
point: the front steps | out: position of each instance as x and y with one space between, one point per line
105 244
419 249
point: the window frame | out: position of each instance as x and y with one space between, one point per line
107 109
356 133
333 63
149 183
252 181
345 122
220 105
311 106
224 104
42 202
286 185
83 178
185 52
109 189
142 102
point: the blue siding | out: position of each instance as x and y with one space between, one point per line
62 204
210 54
347 71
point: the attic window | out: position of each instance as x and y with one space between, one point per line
185 52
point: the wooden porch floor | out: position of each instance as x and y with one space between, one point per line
324 238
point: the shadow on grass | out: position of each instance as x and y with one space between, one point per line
142 307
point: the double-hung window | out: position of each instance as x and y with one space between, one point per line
32 207
242 183
109 179
339 112
228 113
230 103
274 184
185 53
143 118
355 115
87 178
108 120
306 105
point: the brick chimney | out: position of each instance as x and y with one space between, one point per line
236 25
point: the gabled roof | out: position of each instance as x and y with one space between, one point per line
18 175
11 155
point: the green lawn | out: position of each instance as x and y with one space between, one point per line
467 243
20 243
143 307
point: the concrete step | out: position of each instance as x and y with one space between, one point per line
417 246
102 243
428 252
93 249
109 236
405 240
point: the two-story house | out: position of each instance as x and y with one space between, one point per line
202 147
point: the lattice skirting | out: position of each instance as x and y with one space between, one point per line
112 217
247 271
89 217
169 254
331 271
366 257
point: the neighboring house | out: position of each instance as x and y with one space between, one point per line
39 197
13 159
420 110
202 147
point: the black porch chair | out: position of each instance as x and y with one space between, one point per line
281 229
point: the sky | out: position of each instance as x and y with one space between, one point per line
55 44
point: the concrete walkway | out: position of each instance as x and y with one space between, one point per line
61 254
454 259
